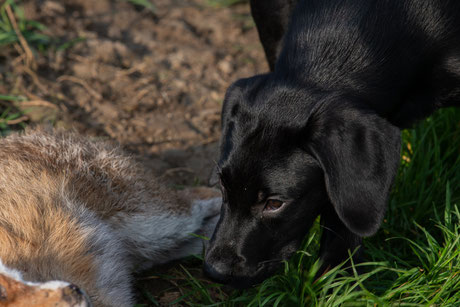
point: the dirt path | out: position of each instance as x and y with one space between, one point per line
152 81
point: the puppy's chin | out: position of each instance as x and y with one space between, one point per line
244 281
266 269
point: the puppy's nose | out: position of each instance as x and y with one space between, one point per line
216 273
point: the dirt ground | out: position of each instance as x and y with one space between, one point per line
152 81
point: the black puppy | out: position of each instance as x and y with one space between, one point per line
319 135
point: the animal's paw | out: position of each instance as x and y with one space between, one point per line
16 292
206 207
212 209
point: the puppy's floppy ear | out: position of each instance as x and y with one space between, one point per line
359 153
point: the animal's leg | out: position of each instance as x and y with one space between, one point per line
156 238
337 242
111 265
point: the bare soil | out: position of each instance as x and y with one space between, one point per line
153 81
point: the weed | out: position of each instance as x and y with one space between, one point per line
11 118
224 3
32 31
15 26
143 3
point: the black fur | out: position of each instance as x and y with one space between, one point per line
320 132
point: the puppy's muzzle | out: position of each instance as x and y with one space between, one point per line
216 274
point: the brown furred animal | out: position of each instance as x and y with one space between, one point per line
84 212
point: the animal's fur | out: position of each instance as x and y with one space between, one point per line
84 212
17 292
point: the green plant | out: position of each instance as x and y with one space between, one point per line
414 260
225 3
15 28
32 31
11 118
143 3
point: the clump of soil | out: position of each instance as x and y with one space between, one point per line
153 81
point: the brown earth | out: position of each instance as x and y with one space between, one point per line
153 81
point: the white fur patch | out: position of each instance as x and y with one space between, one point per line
16 275
11 273
54 285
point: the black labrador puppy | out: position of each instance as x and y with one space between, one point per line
320 133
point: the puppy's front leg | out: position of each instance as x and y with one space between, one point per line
337 242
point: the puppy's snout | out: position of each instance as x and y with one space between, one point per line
221 265
217 273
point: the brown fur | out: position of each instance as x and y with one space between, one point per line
65 201
15 293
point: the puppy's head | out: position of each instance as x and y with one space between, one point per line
286 154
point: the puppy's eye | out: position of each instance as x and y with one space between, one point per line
273 204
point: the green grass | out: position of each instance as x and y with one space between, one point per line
147 4
224 3
31 30
414 260
37 41
9 113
